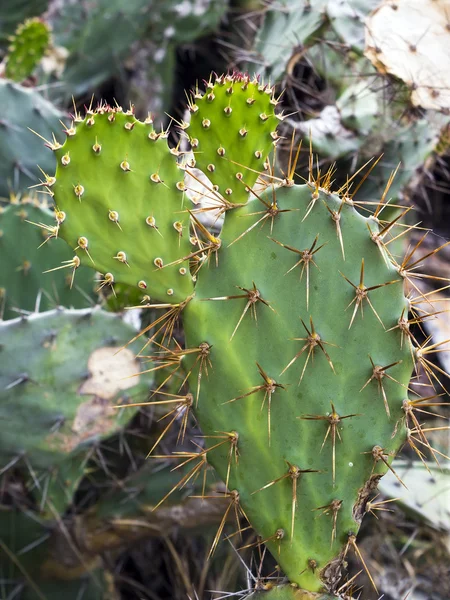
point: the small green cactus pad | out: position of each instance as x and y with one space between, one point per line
232 131
26 251
27 47
21 151
14 12
306 376
122 196
61 377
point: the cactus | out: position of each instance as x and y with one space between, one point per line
244 110
20 151
426 495
286 592
298 351
290 26
25 254
14 12
27 47
63 350
132 153
70 355
409 39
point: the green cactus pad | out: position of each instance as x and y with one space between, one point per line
287 592
232 131
27 47
122 195
25 255
14 12
337 381
20 150
60 379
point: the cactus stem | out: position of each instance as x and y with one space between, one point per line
333 419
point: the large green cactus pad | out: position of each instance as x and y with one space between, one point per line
232 130
333 380
122 195
25 253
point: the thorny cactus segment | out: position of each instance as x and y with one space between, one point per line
287 592
23 109
306 375
232 131
26 252
121 193
14 12
27 47
60 379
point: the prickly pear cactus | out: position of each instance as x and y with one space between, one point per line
286 592
20 150
298 352
27 47
234 116
305 383
26 252
131 247
14 12
60 379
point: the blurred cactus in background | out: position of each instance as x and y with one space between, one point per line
222 311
